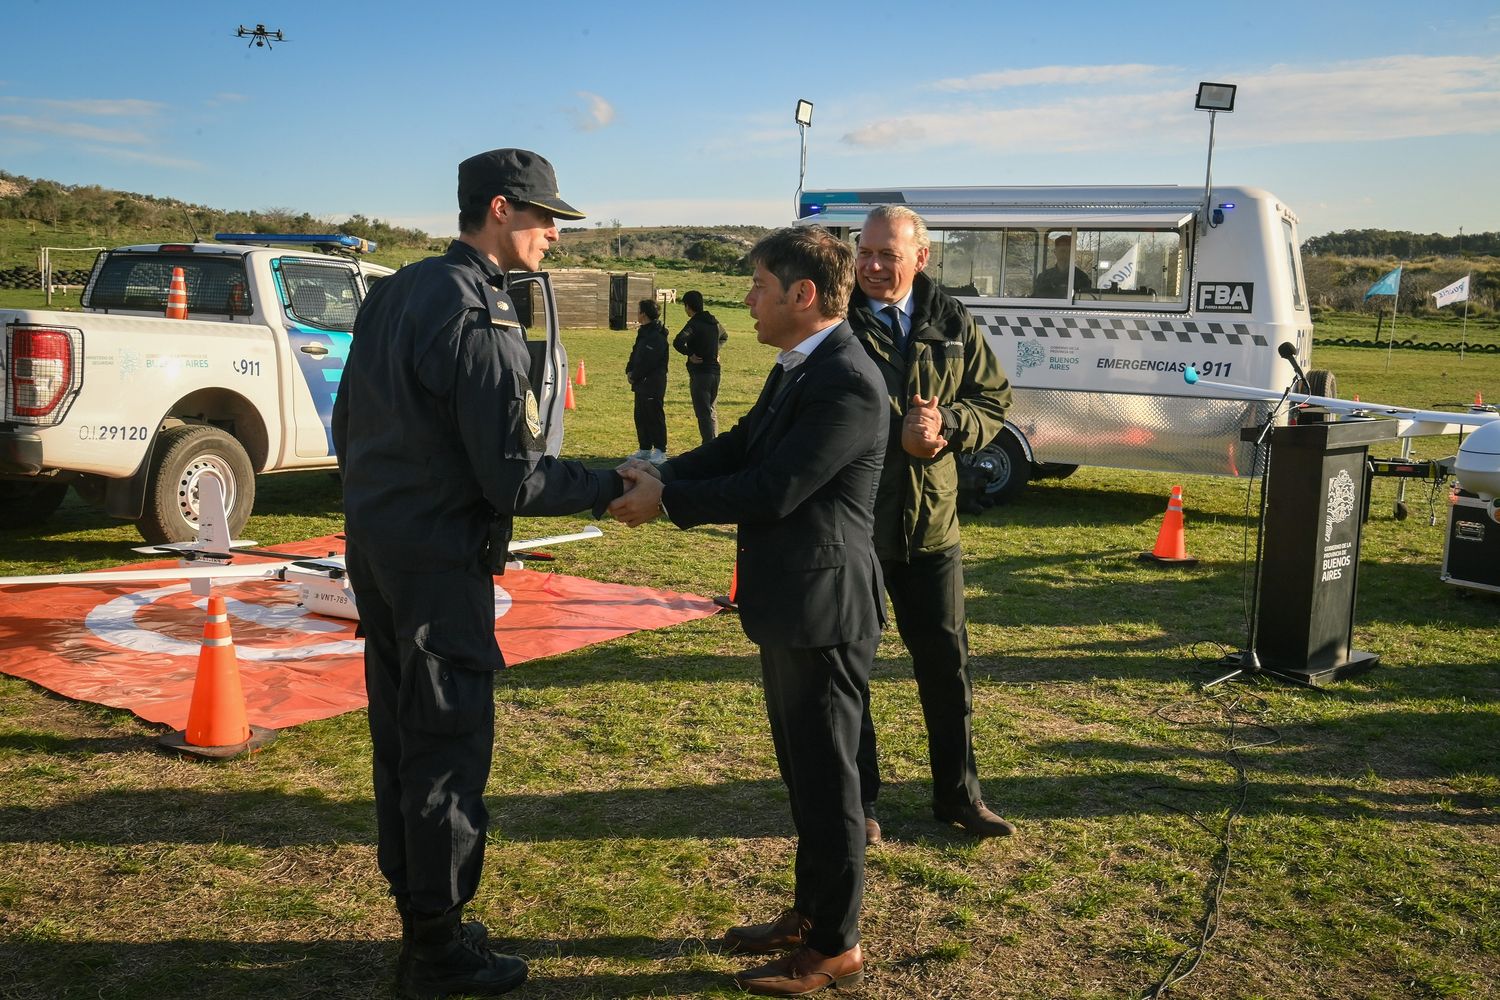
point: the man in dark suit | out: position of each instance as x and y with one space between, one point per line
798 475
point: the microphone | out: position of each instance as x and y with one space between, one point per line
1286 350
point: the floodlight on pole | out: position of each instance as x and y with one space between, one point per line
1213 98
803 117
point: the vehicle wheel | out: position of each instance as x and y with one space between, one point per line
1008 467
183 455
24 504
1320 382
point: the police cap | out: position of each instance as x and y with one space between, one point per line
519 174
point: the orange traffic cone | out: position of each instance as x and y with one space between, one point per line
727 601
177 295
582 378
1171 539
568 402
1478 399
216 726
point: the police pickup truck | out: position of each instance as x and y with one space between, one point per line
130 402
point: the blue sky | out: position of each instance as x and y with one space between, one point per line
1369 114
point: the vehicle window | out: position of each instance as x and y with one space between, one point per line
1121 266
216 285
320 295
1289 237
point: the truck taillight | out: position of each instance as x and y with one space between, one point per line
43 371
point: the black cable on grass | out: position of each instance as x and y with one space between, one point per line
1238 719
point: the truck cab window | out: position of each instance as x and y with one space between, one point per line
320 295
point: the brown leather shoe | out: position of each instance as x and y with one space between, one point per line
872 831
976 819
803 971
781 934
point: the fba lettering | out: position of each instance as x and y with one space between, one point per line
1226 296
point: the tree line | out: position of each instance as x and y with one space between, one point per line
1398 243
112 214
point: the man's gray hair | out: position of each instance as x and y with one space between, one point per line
894 214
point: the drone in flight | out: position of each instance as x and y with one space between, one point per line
260 36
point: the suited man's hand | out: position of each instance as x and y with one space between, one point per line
922 430
641 501
639 465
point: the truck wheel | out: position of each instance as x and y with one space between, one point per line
25 504
1009 469
183 455
1320 382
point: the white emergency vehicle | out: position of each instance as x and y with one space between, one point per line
1096 299
131 408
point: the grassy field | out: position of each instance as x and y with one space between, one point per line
637 811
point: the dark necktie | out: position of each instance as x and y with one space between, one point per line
898 335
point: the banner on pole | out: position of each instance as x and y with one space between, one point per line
1456 292
1388 285
1123 274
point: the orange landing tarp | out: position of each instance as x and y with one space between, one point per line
135 646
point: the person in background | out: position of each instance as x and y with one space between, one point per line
700 340
946 393
647 372
1053 282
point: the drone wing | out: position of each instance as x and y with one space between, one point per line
256 571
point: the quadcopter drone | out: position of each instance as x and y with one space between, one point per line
260 36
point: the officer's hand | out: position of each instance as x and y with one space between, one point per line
922 430
641 501
639 465
695 359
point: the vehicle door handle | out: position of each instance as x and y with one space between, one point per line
316 350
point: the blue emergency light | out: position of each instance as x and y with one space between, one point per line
355 243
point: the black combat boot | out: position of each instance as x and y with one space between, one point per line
475 931
444 959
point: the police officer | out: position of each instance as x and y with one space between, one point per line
440 445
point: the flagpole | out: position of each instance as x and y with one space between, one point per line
1391 340
1464 343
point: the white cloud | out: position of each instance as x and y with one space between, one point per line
72 130
594 115
142 156
125 107
1039 76
1364 100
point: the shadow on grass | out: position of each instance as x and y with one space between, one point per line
193 969
730 810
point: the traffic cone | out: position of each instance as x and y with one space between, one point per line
727 601
568 403
1478 400
1171 539
216 726
177 295
582 378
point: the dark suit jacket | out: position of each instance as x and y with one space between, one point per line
798 475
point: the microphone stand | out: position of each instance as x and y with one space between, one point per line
1247 661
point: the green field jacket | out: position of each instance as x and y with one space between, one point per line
916 508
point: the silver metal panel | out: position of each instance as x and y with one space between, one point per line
1129 431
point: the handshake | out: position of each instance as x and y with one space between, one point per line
641 501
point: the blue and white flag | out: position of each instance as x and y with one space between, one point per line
1456 292
1123 273
1388 285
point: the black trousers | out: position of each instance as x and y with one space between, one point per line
650 417
927 594
703 389
430 661
813 699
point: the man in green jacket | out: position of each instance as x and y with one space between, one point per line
948 394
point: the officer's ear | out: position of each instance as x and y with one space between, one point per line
500 208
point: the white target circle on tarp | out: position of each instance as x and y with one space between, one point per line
114 622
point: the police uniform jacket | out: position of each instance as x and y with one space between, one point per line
916 510
436 425
702 336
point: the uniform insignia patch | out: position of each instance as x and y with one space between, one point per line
533 416
502 310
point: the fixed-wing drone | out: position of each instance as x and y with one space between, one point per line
1476 466
260 36
322 584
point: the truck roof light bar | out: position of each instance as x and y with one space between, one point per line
355 244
